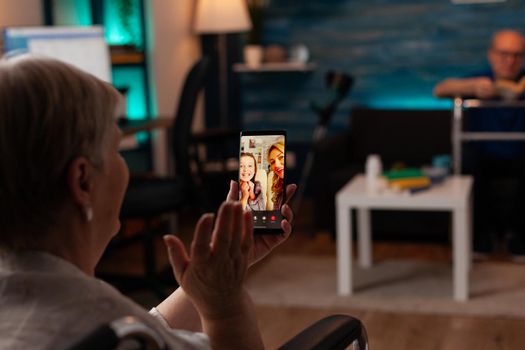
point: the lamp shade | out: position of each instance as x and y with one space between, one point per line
222 16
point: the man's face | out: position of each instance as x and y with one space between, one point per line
506 55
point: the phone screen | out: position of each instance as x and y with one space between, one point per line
262 167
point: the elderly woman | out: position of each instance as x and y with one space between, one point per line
62 181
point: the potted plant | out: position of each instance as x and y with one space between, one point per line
253 51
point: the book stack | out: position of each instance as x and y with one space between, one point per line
410 179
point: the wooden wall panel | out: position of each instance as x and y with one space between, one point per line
396 50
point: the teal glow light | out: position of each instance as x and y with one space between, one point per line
406 102
72 12
123 30
84 15
132 78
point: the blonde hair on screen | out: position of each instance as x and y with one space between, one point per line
277 182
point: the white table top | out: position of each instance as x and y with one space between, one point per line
452 193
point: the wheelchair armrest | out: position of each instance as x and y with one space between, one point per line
330 333
103 338
109 335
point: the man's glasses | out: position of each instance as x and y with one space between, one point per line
518 55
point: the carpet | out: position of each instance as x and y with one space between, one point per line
496 289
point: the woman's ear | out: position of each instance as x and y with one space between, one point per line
80 181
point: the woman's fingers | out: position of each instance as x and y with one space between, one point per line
223 227
200 247
247 232
290 191
287 228
287 212
177 255
233 193
237 227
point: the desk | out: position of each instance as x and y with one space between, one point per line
454 194
131 127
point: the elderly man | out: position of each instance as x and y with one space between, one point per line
505 56
490 162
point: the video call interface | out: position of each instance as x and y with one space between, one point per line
261 178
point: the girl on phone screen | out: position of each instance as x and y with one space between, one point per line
250 190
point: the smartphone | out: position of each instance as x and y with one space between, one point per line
262 169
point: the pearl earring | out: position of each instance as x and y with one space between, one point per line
88 213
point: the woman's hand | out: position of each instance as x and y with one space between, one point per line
251 190
212 275
264 244
245 194
245 187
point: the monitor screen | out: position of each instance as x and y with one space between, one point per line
83 47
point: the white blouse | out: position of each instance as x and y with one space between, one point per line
48 303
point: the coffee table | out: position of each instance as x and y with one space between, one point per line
453 194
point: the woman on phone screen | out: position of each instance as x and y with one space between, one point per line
276 161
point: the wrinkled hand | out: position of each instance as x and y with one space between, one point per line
212 275
264 244
483 88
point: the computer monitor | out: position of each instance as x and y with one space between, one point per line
83 47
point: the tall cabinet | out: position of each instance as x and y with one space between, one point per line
125 28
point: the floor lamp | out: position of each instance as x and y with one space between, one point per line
222 17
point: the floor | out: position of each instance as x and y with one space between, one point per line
385 330
394 331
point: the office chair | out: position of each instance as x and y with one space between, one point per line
335 332
149 197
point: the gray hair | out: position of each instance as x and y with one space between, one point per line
50 113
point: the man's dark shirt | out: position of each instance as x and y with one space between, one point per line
503 119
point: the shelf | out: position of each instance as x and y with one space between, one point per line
127 58
123 54
126 54
275 67
131 127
